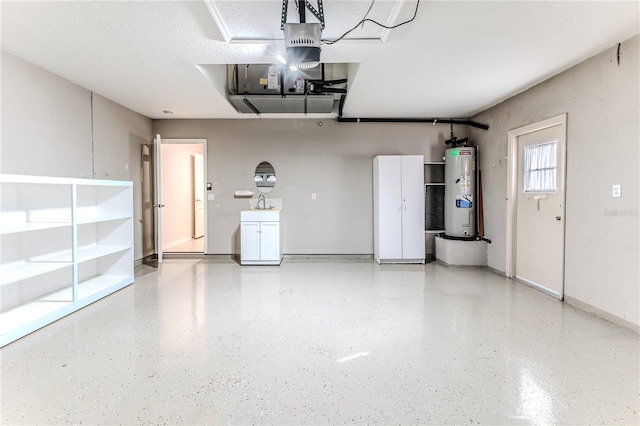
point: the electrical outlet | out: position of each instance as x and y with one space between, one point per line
616 191
313 195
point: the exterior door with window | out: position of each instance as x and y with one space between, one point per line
540 201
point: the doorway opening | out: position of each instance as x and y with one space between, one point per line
182 191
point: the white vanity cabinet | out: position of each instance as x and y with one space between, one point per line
260 242
65 243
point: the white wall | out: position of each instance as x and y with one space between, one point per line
52 127
603 137
46 122
118 136
334 160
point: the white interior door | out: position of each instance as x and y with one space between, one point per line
540 206
198 196
157 146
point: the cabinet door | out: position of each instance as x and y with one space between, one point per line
250 241
389 205
413 207
269 241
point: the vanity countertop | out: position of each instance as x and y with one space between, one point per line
257 215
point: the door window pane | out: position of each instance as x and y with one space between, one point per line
540 167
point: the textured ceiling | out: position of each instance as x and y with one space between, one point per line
259 20
455 59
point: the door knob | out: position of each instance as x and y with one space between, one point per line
558 218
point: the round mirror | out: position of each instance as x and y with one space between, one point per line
265 177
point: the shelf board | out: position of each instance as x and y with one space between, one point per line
101 282
433 231
61 299
27 313
85 253
49 180
434 184
25 227
97 219
102 182
97 251
18 271
434 163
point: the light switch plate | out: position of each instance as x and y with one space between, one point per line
616 191
313 195
211 197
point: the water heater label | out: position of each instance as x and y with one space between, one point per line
464 201
454 152
465 152
465 185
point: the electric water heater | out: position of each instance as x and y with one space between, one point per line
459 195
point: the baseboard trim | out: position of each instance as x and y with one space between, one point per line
449 265
601 314
323 252
538 287
497 271
314 256
145 259
185 255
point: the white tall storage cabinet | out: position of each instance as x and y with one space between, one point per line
398 209
65 243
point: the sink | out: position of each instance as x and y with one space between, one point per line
260 215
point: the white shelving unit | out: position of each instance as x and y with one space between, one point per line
434 196
64 243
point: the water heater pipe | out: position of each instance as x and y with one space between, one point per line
434 121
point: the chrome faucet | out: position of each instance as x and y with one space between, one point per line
261 198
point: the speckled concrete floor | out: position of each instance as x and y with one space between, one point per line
324 342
